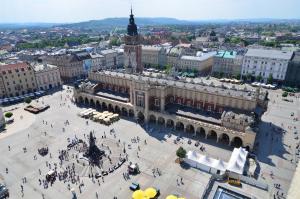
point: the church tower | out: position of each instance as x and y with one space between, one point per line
132 48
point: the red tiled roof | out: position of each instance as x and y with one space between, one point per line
13 66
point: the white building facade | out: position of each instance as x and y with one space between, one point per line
47 76
98 61
201 64
153 56
266 63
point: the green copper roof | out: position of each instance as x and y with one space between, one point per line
226 54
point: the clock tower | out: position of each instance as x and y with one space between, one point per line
132 48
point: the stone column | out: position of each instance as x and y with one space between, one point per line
131 94
162 101
162 104
146 106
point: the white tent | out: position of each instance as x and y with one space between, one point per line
204 162
220 165
237 160
235 165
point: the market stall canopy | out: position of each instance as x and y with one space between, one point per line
150 192
171 197
138 194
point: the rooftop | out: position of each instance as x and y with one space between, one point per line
108 51
204 57
195 114
13 66
95 55
83 56
226 54
273 54
200 86
152 48
41 67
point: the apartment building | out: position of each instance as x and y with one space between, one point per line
228 63
17 79
266 63
153 56
47 76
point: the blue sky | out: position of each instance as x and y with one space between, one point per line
82 10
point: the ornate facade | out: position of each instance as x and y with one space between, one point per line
193 108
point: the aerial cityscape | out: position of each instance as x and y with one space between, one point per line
149 99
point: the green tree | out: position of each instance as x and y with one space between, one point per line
248 76
8 114
181 153
258 78
168 68
221 74
284 94
27 100
270 79
114 42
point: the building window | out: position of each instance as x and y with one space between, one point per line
156 102
140 100
209 108
188 102
171 99
199 106
178 101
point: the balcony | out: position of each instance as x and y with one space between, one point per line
121 97
195 114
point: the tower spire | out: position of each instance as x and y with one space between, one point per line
131 9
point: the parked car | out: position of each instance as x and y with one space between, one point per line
4 193
134 186
98 175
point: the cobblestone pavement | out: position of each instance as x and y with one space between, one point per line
276 151
159 152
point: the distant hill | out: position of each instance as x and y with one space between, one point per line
110 23
26 25
122 22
